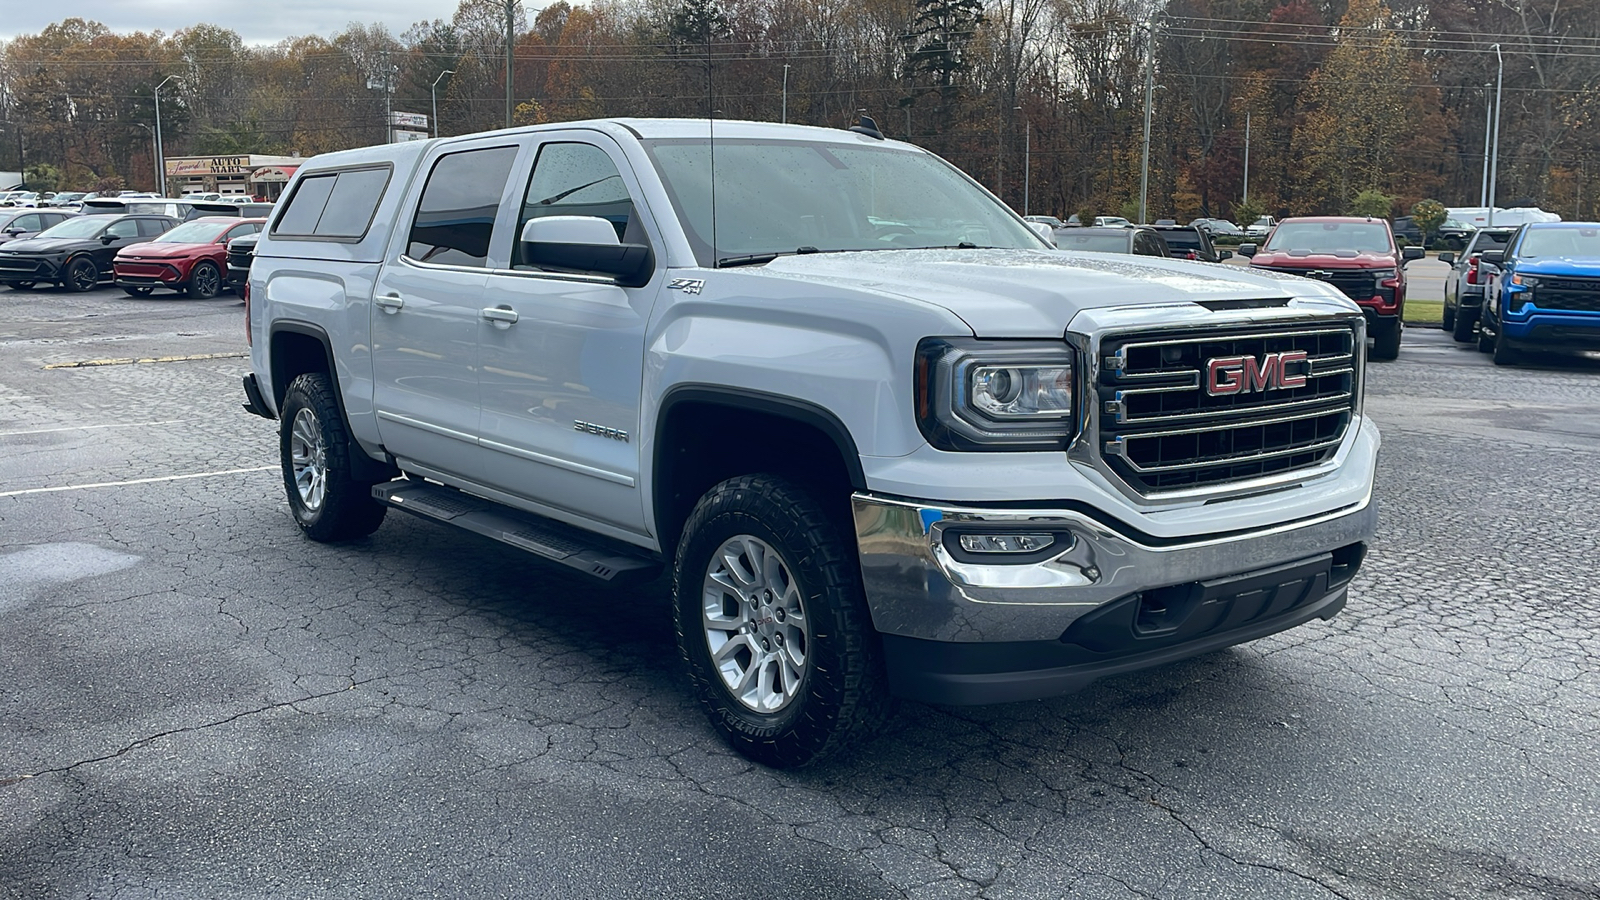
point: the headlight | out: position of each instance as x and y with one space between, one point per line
995 395
1527 281
1383 274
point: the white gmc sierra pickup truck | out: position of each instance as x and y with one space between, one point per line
888 440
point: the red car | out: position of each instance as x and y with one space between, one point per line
190 258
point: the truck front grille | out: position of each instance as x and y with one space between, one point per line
1569 294
1357 284
1163 429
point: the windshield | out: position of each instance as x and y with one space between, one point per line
195 233
1568 242
1182 240
1331 237
775 197
1109 243
82 227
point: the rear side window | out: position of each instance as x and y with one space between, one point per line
336 205
153 227
455 217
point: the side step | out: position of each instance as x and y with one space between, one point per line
542 537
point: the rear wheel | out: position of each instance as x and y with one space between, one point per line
1463 326
1386 339
204 281
773 624
328 503
1449 321
81 275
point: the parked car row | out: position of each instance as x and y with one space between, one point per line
138 251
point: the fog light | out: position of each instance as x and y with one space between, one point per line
1005 543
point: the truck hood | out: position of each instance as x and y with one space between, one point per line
1029 293
1342 259
1586 267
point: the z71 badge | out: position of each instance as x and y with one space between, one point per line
687 285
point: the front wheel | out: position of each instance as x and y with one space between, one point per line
81 275
1386 339
1504 353
205 281
314 449
1463 326
773 624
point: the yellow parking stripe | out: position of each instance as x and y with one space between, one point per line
129 361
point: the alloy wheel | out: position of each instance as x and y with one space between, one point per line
309 459
755 623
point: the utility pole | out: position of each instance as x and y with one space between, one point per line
436 99
161 153
388 100
1149 91
154 154
1488 109
1494 158
511 17
1246 157
785 118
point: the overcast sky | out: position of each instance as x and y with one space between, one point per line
257 21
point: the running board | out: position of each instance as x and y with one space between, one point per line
542 537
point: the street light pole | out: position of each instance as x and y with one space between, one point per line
1488 110
1027 156
435 90
161 155
785 119
1149 91
1494 158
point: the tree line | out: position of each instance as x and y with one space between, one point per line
1041 100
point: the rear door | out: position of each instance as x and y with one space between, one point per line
425 315
561 353
121 233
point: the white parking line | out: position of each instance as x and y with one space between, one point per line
102 484
88 427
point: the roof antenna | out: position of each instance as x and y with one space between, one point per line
711 141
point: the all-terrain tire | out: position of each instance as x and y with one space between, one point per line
1448 323
1504 353
760 560
314 448
1463 327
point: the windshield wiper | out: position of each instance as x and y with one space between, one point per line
754 259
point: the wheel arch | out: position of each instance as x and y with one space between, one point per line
297 348
801 440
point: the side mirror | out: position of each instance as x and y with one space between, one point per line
1247 250
1447 258
1493 257
107 238
585 244
1224 254
1043 230
1407 254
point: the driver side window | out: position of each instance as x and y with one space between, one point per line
572 179
127 228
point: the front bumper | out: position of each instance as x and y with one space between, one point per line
1554 330
14 270
1106 600
147 275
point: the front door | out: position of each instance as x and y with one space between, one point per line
561 354
425 311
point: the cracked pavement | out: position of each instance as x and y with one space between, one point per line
198 703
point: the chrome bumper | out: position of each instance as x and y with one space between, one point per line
917 588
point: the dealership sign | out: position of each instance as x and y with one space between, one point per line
408 120
209 165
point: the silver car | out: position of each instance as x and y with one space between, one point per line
18 224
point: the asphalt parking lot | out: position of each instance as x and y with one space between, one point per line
198 703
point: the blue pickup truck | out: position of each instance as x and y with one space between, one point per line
1545 293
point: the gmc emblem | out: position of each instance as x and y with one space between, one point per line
1245 374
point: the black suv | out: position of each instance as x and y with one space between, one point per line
1189 242
1454 234
77 253
1140 240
